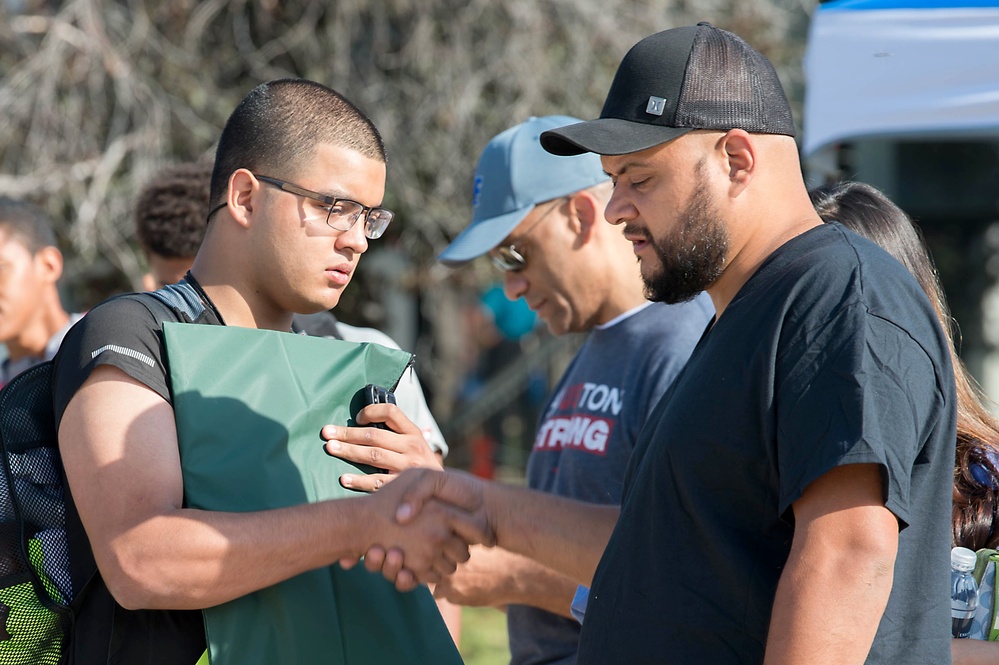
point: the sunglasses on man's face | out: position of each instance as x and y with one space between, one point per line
508 257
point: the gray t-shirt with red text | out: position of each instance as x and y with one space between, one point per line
588 430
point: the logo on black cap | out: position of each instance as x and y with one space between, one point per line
656 106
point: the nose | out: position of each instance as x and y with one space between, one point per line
618 210
514 284
354 238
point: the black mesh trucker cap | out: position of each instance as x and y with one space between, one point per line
695 77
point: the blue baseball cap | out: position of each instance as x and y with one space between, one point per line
515 174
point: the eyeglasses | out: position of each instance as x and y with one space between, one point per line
508 257
341 214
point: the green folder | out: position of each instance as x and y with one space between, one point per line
249 405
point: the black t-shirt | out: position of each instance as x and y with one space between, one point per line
125 332
829 355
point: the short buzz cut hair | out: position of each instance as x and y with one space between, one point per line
277 126
170 210
28 223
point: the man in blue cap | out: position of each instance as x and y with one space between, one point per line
540 218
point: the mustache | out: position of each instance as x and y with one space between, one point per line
633 230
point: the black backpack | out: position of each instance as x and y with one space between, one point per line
38 604
36 609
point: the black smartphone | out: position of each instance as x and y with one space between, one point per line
372 394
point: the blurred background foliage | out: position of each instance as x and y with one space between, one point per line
97 95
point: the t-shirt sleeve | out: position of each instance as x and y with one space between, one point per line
856 390
409 393
409 396
122 332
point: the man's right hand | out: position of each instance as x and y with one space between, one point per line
429 519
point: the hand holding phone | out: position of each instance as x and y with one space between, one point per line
397 449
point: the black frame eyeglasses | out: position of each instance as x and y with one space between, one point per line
341 213
507 257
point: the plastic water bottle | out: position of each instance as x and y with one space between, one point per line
963 591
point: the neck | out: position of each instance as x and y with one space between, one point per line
49 319
223 269
762 240
624 299
238 310
764 206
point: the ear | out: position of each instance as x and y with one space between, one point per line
149 282
49 259
242 196
740 156
585 212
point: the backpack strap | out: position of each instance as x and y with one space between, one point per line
181 297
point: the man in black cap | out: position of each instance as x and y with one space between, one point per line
789 499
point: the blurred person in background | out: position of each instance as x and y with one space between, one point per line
867 211
170 221
32 318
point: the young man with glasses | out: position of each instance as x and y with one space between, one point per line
296 191
541 220
170 225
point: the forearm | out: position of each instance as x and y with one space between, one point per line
192 559
451 614
119 448
539 586
567 536
835 585
495 577
827 613
974 652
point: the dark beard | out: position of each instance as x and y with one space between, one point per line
691 258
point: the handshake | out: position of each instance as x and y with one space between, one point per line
419 522
421 526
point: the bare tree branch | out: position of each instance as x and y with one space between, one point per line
97 95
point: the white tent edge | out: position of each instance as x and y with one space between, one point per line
876 69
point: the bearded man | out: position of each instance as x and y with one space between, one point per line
788 501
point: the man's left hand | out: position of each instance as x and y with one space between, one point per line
402 446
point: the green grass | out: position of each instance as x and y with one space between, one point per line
483 636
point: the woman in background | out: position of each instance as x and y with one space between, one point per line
866 211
